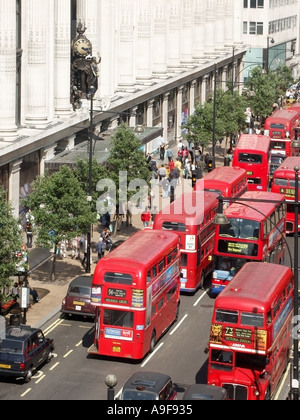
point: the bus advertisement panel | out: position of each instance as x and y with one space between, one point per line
255 232
284 183
250 337
194 225
136 291
280 128
228 181
252 154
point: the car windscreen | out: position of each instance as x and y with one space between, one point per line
134 394
11 346
79 290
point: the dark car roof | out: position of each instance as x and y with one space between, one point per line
19 333
85 281
153 381
204 392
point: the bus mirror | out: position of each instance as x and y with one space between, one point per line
181 275
206 350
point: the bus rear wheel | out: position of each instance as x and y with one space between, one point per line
152 342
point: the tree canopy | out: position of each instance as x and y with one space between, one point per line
60 208
10 242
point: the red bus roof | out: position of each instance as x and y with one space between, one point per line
287 168
254 287
253 143
185 207
138 251
238 210
282 115
222 175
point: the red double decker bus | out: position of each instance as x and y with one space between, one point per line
227 181
255 232
136 291
191 217
280 127
284 183
250 337
252 154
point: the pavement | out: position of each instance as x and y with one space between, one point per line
51 293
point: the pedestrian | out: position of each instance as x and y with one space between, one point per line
85 245
29 217
165 188
162 172
171 165
170 154
162 150
145 217
100 248
29 234
33 293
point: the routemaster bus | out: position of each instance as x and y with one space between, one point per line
191 218
280 128
250 336
255 232
284 183
252 154
225 180
136 291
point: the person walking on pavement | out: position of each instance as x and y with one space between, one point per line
170 154
29 234
162 150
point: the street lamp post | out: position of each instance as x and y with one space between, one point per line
268 47
88 249
214 112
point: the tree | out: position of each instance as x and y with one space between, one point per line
230 118
60 208
127 168
10 242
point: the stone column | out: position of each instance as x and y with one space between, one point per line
178 113
150 113
46 154
174 36
8 68
187 33
132 121
14 186
143 61
39 53
205 80
159 39
209 45
192 97
62 57
126 47
198 37
165 121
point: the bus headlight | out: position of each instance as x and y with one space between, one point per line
215 276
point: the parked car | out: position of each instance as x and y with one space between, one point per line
148 386
23 350
78 298
205 392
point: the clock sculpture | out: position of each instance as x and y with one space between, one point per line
84 70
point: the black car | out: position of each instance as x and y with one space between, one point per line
205 392
23 350
148 386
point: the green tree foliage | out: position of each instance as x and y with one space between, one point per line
126 157
60 208
268 88
229 119
10 242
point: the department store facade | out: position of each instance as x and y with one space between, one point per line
158 60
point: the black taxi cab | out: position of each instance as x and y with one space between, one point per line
148 386
23 350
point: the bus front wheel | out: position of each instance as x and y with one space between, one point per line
152 342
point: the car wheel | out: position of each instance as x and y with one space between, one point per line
152 342
28 376
49 358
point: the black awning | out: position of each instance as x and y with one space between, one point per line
38 256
